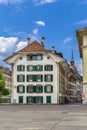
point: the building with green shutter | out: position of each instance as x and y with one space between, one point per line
39 76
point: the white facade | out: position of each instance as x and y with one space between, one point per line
48 59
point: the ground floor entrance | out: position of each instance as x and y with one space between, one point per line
20 99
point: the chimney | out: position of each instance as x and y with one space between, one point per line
53 49
28 40
43 40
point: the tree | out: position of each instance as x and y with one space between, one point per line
3 90
2 82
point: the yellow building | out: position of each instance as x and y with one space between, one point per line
82 42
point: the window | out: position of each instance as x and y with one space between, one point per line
49 78
34 57
20 89
20 78
39 88
30 99
39 78
30 89
39 68
20 68
30 78
48 88
31 57
30 68
39 57
48 67
39 99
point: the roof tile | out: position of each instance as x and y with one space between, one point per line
34 46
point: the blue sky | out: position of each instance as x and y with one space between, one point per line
57 20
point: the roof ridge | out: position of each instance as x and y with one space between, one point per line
34 46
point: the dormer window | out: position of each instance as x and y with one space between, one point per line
39 57
34 57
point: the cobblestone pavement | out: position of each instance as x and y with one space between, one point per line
43 117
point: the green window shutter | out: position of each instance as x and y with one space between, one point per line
23 89
27 68
44 88
34 68
41 68
41 77
17 89
41 99
17 78
27 89
51 88
27 100
41 89
34 89
45 67
51 77
23 78
45 78
34 78
27 78
34 99
52 67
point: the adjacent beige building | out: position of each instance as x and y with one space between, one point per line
82 42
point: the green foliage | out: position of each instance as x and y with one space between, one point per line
5 100
3 90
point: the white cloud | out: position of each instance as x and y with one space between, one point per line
11 1
40 23
82 22
41 2
7 45
68 39
21 45
35 31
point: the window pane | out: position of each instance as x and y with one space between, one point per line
39 67
48 67
29 57
30 100
20 78
30 68
38 99
48 88
38 78
30 78
48 78
20 88
20 68
38 88
39 57
30 88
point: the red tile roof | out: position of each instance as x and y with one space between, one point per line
34 46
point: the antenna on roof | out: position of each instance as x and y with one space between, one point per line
43 40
